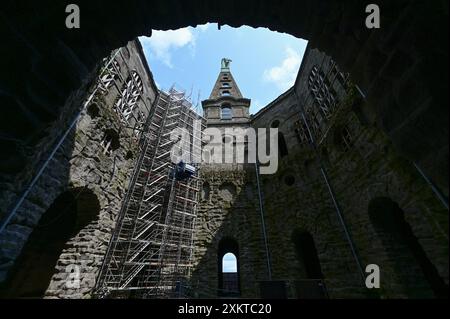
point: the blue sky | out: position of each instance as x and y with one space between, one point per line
229 263
264 63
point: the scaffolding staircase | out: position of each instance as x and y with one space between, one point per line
151 246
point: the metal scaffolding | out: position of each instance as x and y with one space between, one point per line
151 247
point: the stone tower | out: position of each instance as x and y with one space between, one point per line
226 106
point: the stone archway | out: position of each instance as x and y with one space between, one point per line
394 65
69 213
309 283
228 245
409 259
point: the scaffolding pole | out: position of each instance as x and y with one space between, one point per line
151 247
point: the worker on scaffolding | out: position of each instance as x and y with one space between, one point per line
184 171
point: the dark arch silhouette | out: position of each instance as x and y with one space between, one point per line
227 245
403 248
309 284
282 147
307 254
69 213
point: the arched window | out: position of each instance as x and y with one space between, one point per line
140 122
410 261
289 180
343 138
229 274
341 77
225 84
228 265
310 284
226 93
226 113
93 110
275 124
205 191
108 74
315 121
307 254
110 142
127 101
69 213
282 147
324 97
301 132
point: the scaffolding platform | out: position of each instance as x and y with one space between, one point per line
151 247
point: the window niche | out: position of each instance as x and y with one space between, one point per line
282 147
228 264
227 192
129 155
110 142
206 189
310 277
93 110
289 180
129 97
323 94
405 250
226 112
343 138
275 124
301 132
109 74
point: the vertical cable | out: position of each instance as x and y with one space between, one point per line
436 191
6 221
330 190
263 224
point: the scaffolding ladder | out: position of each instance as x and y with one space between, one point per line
151 246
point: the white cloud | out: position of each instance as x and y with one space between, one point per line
283 76
162 43
203 27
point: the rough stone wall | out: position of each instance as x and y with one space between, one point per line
372 169
239 108
228 208
284 111
296 198
397 65
394 65
82 163
17 231
304 206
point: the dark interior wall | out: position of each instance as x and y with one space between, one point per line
67 215
396 66
370 168
44 63
79 162
404 249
